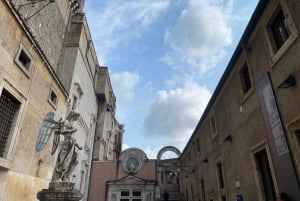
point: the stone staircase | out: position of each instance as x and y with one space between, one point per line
173 190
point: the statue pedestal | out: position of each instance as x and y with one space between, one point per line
59 191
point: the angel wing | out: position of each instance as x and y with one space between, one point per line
47 127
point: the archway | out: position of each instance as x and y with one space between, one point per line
165 149
167 168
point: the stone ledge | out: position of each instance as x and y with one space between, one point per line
61 186
59 191
52 195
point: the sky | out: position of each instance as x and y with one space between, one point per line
165 58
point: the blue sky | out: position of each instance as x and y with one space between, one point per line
165 58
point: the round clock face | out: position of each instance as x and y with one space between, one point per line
132 164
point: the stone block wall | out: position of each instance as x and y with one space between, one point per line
47 26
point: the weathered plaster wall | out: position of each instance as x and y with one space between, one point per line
25 175
47 26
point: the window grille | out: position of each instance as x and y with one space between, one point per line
9 107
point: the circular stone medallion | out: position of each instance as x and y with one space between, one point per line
132 164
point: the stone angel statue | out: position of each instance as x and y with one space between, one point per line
67 156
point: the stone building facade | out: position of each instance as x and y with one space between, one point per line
77 72
135 177
109 137
29 89
246 144
132 177
47 64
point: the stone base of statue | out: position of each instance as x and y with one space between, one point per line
59 191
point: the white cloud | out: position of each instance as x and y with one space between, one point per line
116 22
151 152
174 113
124 84
125 146
200 35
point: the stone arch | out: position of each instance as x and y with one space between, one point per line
165 149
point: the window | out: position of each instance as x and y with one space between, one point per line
202 190
9 107
213 125
245 78
220 175
280 29
136 193
53 98
24 60
124 193
77 94
131 195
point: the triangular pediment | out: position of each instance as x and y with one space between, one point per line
129 180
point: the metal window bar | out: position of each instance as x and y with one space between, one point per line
9 107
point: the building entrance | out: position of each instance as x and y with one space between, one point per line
265 176
131 195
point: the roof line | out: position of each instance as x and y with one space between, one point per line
230 66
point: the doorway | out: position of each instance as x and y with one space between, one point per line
264 174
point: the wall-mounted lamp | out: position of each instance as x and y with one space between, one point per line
205 160
288 82
228 138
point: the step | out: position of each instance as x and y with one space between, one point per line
170 187
173 196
